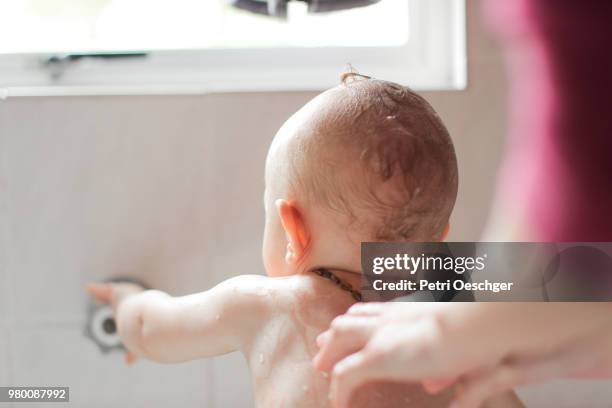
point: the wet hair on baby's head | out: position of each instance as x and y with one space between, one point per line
379 153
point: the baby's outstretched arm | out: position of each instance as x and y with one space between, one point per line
157 326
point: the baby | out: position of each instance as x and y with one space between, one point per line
368 160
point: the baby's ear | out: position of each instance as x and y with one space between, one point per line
296 232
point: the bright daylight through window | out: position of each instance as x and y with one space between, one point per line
68 47
122 25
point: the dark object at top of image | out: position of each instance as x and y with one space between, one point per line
278 8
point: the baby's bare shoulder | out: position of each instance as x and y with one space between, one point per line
271 297
311 298
265 285
298 288
252 290
249 288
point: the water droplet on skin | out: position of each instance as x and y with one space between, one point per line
305 388
325 375
217 317
261 358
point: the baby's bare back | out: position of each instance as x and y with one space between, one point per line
280 354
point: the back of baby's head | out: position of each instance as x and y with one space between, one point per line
377 153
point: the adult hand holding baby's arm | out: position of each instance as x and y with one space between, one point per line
483 348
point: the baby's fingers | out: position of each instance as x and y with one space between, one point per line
102 292
130 358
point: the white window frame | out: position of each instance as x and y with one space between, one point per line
434 58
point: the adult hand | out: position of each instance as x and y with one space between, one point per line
484 348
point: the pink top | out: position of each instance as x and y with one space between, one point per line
559 157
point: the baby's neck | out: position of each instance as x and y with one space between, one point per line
350 277
351 289
345 280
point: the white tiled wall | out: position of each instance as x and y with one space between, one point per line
89 197
85 199
167 190
231 390
59 356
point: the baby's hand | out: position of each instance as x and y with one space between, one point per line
114 294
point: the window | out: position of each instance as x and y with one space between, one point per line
185 46
127 25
